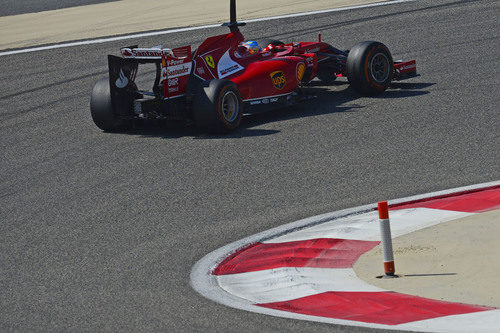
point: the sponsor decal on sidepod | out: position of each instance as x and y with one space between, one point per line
227 66
301 69
278 79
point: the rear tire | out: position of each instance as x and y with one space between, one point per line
218 108
101 108
370 68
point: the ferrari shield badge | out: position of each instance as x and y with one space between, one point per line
210 61
278 79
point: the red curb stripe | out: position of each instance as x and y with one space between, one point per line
437 197
320 253
474 202
386 308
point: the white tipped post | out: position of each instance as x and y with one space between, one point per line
385 231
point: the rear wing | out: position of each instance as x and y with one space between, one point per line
173 67
143 55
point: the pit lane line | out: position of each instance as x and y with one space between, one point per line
171 31
205 282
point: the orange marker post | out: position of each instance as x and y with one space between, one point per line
385 231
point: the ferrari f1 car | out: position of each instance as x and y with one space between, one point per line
222 79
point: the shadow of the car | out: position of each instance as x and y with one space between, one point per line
401 93
241 132
334 98
410 85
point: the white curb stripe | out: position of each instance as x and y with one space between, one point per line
283 284
171 31
465 323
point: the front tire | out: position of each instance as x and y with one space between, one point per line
370 68
218 108
101 108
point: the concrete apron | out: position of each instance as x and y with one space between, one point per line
455 261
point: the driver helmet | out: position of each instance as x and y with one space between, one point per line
252 46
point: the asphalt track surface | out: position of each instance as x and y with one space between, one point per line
16 7
99 231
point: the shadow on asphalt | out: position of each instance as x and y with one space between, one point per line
325 101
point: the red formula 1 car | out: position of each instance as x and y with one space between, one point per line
225 77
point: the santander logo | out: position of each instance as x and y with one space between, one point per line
141 53
178 70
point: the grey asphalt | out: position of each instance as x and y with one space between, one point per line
99 231
16 7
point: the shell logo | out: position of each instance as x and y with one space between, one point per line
301 69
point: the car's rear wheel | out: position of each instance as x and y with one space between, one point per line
370 68
101 108
218 108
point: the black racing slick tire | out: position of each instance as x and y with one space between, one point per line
218 107
370 68
101 108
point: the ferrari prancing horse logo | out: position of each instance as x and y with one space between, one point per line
210 61
278 79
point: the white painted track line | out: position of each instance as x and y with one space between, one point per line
171 31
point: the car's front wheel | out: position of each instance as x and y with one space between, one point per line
370 68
